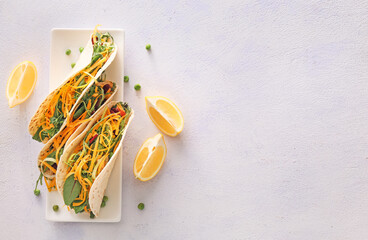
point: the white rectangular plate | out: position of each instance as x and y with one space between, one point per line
60 67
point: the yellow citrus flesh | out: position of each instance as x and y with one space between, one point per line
21 83
150 158
165 115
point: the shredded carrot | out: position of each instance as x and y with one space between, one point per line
89 104
47 165
47 185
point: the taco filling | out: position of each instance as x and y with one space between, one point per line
61 103
91 101
92 154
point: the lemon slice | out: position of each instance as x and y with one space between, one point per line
165 115
21 83
150 158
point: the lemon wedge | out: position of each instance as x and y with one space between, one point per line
165 115
150 158
21 83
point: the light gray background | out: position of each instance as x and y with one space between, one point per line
274 96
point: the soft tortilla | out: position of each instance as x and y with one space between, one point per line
83 61
98 187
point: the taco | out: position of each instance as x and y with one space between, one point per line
85 167
98 95
52 114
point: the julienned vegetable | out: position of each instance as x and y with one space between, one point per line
92 154
91 101
56 108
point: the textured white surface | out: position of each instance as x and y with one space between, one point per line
274 95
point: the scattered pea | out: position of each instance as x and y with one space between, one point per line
37 192
137 87
55 208
73 64
141 206
148 46
126 78
91 215
81 49
68 52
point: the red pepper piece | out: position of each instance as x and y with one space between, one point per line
122 112
93 139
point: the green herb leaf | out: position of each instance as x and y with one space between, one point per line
37 135
78 209
72 189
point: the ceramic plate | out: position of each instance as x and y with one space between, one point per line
60 67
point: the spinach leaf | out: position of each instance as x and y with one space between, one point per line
78 209
37 134
72 189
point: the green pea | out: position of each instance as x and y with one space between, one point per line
91 215
105 198
141 206
126 78
148 46
137 87
81 49
68 52
55 208
73 64
37 192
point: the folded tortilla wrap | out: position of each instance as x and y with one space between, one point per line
85 167
52 114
